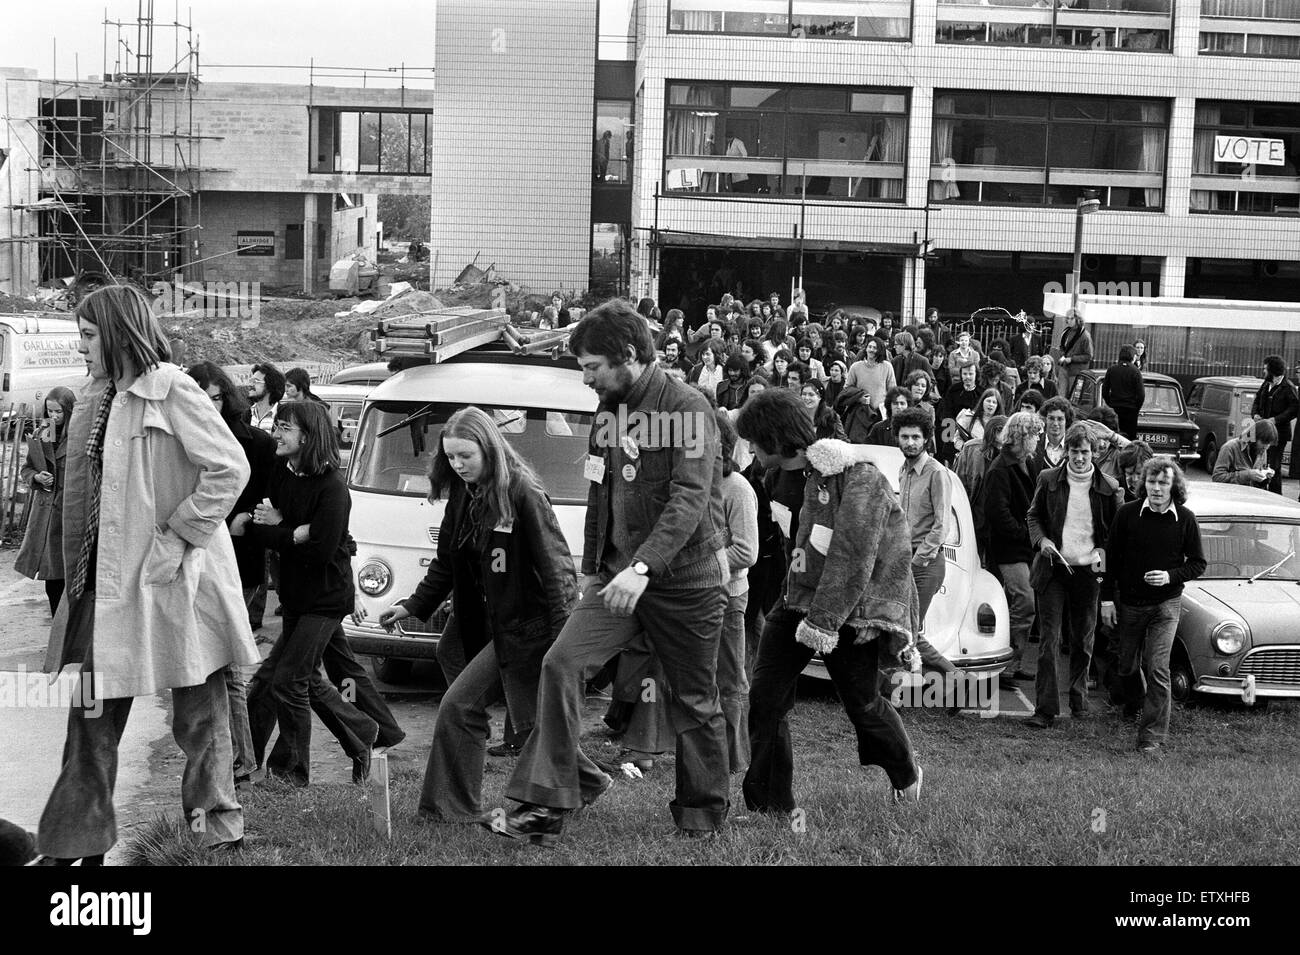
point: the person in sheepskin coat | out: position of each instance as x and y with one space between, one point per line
849 595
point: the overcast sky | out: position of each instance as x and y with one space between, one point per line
354 33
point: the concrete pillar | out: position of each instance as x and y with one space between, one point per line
913 309
309 243
1173 276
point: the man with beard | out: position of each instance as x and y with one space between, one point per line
265 389
655 563
924 495
732 389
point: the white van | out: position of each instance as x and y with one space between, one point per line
37 353
543 409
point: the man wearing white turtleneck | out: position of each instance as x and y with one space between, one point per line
1069 519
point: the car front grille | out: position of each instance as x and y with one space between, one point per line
1273 665
414 626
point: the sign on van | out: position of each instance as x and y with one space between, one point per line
1249 151
47 351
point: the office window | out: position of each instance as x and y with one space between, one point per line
1244 158
818 141
1091 24
611 158
391 142
816 19
609 259
1046 150
1251 28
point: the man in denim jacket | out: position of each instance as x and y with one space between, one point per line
654 562
849 594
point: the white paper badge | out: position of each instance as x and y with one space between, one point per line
629 472
781 514
820 538
630 447
823 496
594 468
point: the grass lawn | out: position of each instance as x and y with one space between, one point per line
1225 791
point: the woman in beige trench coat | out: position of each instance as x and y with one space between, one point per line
153 596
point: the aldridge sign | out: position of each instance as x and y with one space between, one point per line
1250 152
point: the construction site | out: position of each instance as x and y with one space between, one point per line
209 195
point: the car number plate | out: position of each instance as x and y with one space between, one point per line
1154 439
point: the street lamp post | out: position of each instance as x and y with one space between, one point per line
1083 207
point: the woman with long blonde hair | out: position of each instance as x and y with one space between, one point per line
503 559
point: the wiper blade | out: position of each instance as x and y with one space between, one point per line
422 413
1265 573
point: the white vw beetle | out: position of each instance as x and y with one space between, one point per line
968 620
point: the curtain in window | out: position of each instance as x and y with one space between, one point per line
1207 123
1232 8
692 134
1153 148
941 149
892 133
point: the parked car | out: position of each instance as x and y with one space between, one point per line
1220 405
1240 621
541 406
345 403
968 620
369 373
1163 422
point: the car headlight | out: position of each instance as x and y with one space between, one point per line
1228 637
374 578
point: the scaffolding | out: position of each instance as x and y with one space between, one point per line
120 159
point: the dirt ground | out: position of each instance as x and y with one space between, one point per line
307 329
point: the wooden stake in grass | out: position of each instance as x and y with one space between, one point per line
381 816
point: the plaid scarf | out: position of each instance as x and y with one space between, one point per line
95 459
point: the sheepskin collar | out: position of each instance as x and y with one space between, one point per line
831 456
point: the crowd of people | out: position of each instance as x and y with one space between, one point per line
719 573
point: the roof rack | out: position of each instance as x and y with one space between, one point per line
442 334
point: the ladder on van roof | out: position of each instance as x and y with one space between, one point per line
443 334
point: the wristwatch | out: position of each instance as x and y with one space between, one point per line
641 568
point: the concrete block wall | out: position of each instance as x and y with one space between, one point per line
921 66
263 139
512 140
226 213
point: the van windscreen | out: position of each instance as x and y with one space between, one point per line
553 442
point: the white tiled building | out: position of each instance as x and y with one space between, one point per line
853 135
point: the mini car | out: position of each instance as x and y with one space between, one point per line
1239 633
1163 422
